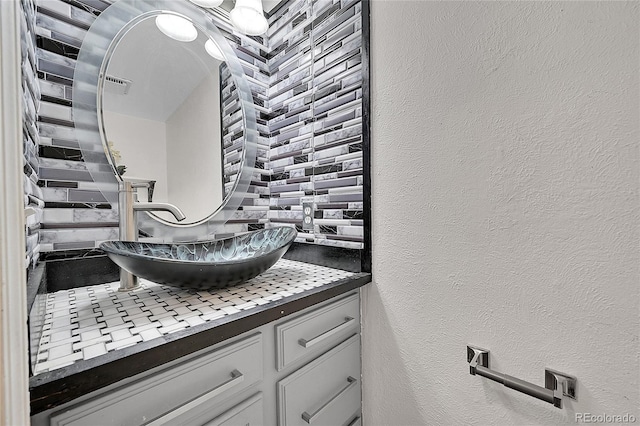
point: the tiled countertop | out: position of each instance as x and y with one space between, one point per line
88 331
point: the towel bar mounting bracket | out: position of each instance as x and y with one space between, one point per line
557 385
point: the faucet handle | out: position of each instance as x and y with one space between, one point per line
150 187
149 184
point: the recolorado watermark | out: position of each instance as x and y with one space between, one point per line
605 418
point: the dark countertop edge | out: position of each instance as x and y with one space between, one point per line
49 390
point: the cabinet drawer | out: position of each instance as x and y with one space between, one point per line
316 331
172 392
355 421
247 413
325 391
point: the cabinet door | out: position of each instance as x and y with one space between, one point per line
247 413
207 378
325 391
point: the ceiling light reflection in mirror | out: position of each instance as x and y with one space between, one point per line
208 4
176 27
180 29
212 49
248 17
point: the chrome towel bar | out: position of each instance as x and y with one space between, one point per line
556 385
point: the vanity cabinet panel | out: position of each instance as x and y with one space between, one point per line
313 332
324 392
203 380
247 413
356 421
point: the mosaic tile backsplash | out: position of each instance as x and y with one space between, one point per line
87 322
315 119
305 75
33 196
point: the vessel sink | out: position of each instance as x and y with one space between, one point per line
203 265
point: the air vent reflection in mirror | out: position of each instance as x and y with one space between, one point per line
119 86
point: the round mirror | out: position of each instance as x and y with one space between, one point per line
162 116
169 106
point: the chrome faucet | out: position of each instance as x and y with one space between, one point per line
129 206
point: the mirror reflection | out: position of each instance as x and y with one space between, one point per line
161 103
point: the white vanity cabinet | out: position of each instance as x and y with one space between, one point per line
303 369
324 392
327 390
186 388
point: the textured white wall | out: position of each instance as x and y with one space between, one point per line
505 209
194 151
143 147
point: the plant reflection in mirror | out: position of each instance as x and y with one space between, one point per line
121 169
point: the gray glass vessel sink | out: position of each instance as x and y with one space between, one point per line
203 265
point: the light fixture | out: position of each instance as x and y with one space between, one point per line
210 4
212 49
248 17
176 27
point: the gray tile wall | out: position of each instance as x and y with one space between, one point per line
33 195
306 83
315 118
75 214
253 212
